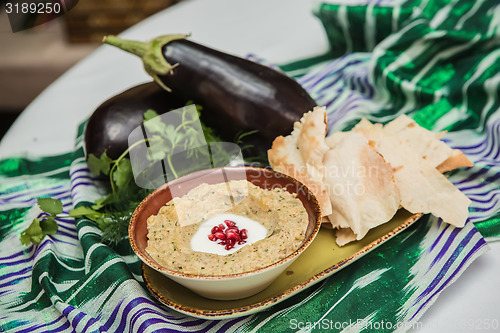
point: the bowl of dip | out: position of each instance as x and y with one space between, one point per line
225 233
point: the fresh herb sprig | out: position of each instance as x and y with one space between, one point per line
45 225
111 213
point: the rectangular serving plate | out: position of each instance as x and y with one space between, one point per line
320 260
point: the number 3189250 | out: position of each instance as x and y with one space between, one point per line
33 8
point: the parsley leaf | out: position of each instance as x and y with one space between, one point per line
51 206
157 149
83 211
150 114
49 225
154 124
45 225
99 165
123 174
33 234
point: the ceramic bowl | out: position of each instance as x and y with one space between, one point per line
233 286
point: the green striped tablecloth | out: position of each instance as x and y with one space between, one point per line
436 61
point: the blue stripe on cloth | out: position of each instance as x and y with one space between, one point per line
41 327
449 262
445 228
480 244
452 234
77 319
91 322
20 272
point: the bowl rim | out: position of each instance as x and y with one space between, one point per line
154 265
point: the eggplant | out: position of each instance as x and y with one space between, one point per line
238 95
112 122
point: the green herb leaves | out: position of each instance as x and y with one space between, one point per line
99 165
45 225
51 206
122 173
33 234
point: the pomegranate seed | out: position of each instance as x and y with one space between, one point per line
229 244
243 234
229 236
233 235
233 229
220 235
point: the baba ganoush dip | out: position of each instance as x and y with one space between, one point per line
171 230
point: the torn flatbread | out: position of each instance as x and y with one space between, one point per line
427 144
344 236
300 154
457 159
422 187
360 185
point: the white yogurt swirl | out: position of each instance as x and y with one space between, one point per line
201 243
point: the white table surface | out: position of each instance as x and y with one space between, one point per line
277 30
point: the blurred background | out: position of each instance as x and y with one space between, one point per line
32 59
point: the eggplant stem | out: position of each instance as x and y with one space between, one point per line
131 46
150 52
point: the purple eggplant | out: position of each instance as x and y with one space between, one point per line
237 95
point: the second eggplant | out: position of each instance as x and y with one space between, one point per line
110 125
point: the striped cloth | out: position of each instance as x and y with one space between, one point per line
435 61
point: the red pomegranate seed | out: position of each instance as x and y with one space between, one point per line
243 234
229 236
229 244
220 235
233 235
233 229
229 223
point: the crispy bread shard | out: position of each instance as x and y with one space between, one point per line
344 236
300 154
360 185
427 144
422 187
457 159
